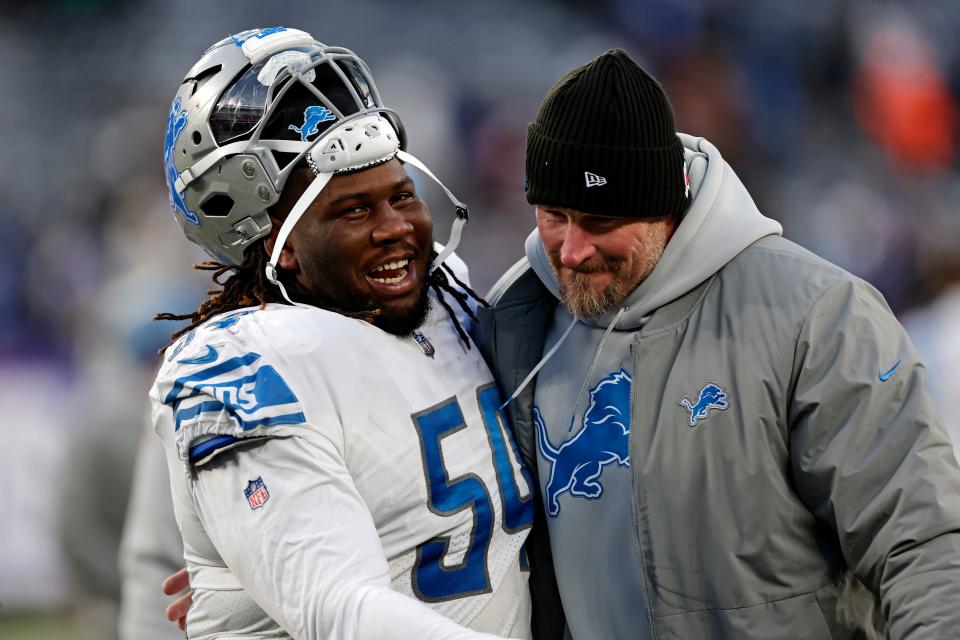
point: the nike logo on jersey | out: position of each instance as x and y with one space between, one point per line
210 356
886 375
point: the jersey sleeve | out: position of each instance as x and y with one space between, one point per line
871 459
221 389
288 521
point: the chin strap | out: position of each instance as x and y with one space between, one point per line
314 190
462 214
311 193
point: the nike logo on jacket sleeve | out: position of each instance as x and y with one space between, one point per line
885 375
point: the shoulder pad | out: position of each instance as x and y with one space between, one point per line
220 386
241 389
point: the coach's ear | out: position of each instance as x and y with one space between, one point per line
288 257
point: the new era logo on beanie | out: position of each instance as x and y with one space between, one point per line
607 124
593 180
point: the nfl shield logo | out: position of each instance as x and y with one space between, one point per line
425 344
256 493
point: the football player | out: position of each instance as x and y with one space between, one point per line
339 463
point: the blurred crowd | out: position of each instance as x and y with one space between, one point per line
841 117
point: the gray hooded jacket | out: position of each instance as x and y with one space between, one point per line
713 456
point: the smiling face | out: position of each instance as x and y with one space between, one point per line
362 246
599 260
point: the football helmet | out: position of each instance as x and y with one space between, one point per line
254 106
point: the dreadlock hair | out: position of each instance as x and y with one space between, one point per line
438 281
247 286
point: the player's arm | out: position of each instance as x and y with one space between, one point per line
310 556
871 459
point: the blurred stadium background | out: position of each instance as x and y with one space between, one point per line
841 117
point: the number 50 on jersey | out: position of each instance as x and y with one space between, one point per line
432 580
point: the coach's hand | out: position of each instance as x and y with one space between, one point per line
178 609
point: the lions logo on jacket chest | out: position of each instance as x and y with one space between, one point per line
711 396
576 464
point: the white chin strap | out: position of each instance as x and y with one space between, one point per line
458 223
314 189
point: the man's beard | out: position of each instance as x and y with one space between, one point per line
581 299
405 322
400 322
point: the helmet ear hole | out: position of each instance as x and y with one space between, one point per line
217 205
197 138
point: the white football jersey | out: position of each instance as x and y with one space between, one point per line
332 480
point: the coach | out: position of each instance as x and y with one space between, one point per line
729 433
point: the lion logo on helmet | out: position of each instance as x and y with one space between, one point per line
312 118
176 122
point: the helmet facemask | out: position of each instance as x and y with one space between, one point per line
293 100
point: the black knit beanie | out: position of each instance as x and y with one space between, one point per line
604 142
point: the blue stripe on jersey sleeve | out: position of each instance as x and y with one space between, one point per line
263 388
224 367
252 397
192 412
207 447
274 421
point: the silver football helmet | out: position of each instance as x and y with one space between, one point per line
254 106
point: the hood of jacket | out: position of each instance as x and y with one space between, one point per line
722 221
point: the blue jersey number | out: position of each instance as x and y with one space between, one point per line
432 580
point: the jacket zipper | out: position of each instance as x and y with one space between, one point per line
637 547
